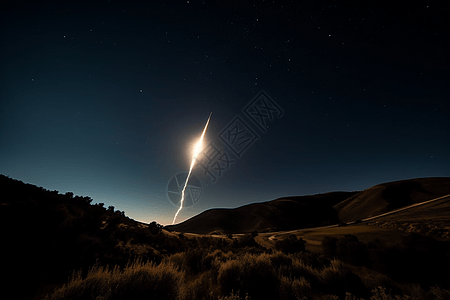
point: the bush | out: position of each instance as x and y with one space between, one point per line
337 279
155 228
193 261
380 293
351 250
247 240
279 259
251 274
313 260
295 288
329 245
291 244
200 287
440 293
347 248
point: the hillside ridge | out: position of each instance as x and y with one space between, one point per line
296 212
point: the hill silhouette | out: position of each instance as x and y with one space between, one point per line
385 197
297 212
47 235
280 214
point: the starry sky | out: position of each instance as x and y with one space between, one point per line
107 98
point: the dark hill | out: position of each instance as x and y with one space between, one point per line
47 235
290 213
388 196
430 219
281 214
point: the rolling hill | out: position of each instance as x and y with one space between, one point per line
385 197
280 214
289 213
430 219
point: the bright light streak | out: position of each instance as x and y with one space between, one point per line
197 150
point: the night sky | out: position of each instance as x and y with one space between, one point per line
106 98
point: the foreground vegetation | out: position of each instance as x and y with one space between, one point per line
109 256
348 270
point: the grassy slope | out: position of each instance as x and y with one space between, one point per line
431 219
387 196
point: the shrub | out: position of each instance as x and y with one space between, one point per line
279 259
199 287
351 250
247 240
439 293
329 245
155 228
252 274
291 244
380 293
337 278
313 260
296 288
194 262
299 269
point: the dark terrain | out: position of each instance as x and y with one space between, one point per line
290 213
280 214
60 246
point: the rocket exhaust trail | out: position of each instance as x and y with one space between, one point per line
197 150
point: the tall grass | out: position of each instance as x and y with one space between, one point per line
252 274
137 281
225 275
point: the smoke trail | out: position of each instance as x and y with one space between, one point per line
197 150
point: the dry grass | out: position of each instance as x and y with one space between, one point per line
137 281
232 276
437 230
228 276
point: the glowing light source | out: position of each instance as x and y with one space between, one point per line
197 150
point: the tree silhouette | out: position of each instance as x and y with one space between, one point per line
155 228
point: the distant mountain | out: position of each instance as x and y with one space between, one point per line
290 213
281 214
